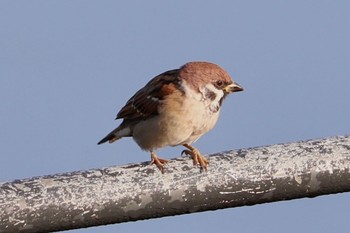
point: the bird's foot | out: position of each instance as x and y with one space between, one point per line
158 162
196 156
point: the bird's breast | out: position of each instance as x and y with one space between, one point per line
190 117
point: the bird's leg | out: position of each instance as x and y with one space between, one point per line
196 156
158 161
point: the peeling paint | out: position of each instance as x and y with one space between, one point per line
314 182
298 179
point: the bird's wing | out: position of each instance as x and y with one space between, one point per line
146 101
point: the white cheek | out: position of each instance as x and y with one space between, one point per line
214 105
190 92
219 93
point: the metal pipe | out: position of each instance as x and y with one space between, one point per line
139 191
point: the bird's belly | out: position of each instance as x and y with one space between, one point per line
159 132
171 128
201 122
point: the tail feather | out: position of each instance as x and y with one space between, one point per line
109 138
116 134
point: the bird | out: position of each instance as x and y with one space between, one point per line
175 108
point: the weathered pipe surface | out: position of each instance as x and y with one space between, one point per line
139 191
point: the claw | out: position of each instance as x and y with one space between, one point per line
193 156
158 162
186 152
198 159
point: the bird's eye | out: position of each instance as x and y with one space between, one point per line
219 83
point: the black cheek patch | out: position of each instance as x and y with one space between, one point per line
210 95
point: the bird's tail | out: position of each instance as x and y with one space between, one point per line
109 138
116 134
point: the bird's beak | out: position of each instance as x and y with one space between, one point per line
233 87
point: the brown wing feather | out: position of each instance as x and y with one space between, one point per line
146 101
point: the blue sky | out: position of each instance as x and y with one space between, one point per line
66 67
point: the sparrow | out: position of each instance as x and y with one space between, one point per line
175 108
